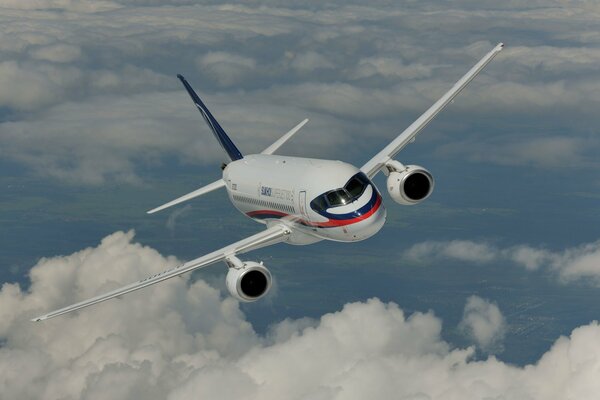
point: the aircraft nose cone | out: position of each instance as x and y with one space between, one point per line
370 226
379 219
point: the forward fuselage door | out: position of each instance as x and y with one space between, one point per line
303 205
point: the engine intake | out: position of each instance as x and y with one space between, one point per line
248 281
411 185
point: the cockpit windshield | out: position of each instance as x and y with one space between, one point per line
351 191
338 198
355 186
334 198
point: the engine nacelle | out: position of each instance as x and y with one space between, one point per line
410 186
248 281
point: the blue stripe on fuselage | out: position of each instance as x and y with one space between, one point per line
361 211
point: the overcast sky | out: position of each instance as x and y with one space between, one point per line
95 128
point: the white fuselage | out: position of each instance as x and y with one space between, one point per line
304 194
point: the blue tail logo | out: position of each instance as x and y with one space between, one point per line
226 143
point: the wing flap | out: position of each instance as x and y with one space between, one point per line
375 164
272 235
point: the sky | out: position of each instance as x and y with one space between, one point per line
488 289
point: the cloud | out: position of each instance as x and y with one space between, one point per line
228 69
75 357
483 323
59 53
75 142
108 137
35 87
310 61
54 5
390 67
26 87
182 339
545 152
529 257
461 250
175 215
356 69
553 59
580 263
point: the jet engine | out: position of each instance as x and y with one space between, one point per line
410 185
247 281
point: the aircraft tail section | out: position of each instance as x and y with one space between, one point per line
224 140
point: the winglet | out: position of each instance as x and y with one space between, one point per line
224 140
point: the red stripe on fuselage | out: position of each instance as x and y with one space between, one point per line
332 223
343 222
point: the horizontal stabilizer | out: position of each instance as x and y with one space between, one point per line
203 190
272 148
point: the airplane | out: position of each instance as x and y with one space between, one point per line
299 200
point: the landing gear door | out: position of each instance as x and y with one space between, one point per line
303 205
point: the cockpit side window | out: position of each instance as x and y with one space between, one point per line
319 204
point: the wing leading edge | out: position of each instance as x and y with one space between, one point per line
272 235
376 163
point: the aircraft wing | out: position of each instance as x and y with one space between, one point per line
272 235
375 164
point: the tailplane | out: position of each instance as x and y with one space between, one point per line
272 148
224 140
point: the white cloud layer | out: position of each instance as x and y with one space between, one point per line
226 68
355 68
60 53
104 139
181 340
310 61
483 323
462 250
572 264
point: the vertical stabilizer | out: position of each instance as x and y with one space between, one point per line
226 143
